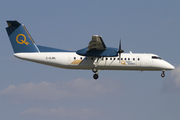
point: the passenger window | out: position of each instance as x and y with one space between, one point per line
110 58
121 58
124 58
128 58
102 58
81 58
114 58
133 58
138 59
106 58
117 58
74 58
92 58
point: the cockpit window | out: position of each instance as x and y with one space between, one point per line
156 57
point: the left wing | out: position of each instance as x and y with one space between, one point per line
97 48
96 43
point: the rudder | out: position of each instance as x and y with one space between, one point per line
20 38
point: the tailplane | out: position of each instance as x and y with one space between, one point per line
20 38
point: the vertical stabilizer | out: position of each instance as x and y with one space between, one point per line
20 38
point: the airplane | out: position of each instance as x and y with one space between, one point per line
95 57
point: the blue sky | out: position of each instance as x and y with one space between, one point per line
34 91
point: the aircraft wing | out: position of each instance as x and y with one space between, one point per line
96 43
97 48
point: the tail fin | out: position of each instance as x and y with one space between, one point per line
20 38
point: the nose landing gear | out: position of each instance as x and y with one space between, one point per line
163 73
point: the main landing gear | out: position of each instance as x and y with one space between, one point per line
95 70
95 76
163 73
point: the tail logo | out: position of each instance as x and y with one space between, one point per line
21 41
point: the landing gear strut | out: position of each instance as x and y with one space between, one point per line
163 74
94 69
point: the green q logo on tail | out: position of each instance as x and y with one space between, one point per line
22 41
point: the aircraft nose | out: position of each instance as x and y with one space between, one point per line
170 67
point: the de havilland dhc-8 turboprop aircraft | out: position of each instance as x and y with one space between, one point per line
95 57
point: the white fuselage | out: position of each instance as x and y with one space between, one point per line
71 60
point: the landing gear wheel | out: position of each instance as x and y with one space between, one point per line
163 74
94 69
95 76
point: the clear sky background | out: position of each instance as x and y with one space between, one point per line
31 91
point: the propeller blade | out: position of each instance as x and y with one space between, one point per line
120 45
120 51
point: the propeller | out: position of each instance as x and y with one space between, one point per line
120 51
